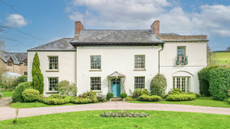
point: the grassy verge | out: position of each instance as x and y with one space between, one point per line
7 93
202 101
91 119
34 105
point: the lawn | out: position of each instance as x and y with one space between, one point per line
34 105
7 93
223 58
91 119
201 101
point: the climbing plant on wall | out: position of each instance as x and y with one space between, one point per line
109 78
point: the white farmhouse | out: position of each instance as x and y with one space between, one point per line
121 60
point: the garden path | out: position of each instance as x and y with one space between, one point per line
9 113
5 101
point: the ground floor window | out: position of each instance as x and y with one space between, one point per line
95 83
139 82
183 83
52 83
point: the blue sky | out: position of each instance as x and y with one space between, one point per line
49 20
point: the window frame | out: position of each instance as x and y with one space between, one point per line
9 63
138 82
57 78
26 73
136 64
187 83
91 68
183 53
99 82
49 63
25 63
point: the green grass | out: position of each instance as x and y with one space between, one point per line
202 101
7 93
34 105
223 58
91 119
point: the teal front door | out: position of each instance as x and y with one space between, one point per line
116 87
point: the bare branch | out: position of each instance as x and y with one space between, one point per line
12 7
27 34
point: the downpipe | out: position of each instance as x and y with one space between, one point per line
162 47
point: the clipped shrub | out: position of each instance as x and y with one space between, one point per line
101 98
17 95
180 97
152 98
65 88
158 85
30 95
109 96
19 80
79 100
175 91
138 92
123 95
56 100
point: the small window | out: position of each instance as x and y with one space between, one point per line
95 62
181 51
139 82
140 61
52 83
95 83
25 63
25 73
53 62
9 63
182 83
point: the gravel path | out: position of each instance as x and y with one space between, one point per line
5 101
9 113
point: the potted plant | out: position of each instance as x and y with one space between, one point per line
123 96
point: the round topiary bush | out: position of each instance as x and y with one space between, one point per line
109 96
123 95
158 85
17 95
30 95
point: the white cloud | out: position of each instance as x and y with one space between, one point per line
68 9
211 20
16 20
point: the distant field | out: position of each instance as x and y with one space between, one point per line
223 58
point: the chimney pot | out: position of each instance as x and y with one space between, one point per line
156 27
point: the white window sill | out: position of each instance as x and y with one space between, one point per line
142 69
95 70
52 70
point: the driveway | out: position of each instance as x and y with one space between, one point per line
9 113
5 101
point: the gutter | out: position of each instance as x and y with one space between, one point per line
162 47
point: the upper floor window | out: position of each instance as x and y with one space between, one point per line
95 83
52 83
139 82
181 56
53 62
25 63
140 61
181 51
95 62
9 63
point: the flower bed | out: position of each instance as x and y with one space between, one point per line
152 98
56 100
124 114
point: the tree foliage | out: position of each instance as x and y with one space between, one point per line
65 88
19 80
37 80
158 85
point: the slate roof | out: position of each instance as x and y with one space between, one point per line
116 37
61 44
16 57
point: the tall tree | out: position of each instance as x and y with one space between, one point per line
37 80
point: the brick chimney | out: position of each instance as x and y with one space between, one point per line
155 27
78 28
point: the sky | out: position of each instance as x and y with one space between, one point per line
33 23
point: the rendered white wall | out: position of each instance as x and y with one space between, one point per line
196 53
117 58
66 64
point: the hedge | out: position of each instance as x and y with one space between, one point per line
218 79
158 85
30 95
79 100
180 97
17 95
152 98
56 100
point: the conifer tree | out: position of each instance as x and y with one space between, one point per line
37 80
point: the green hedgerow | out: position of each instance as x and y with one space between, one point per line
181 97
30 95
